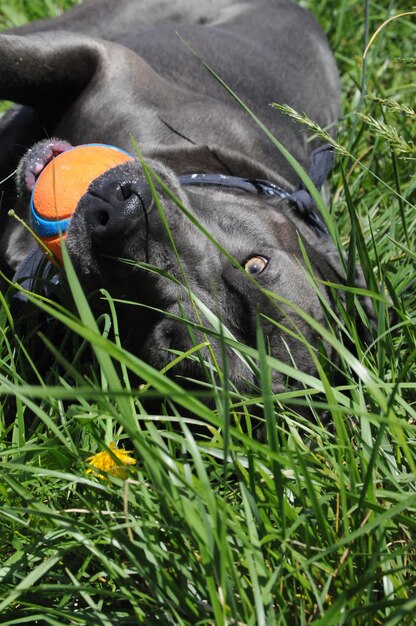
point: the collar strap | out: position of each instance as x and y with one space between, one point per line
300 200
252 185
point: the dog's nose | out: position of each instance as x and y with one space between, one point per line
114 209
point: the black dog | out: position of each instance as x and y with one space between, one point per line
110 70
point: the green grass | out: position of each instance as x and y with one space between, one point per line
314 526
18 12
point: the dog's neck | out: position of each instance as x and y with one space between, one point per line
215 159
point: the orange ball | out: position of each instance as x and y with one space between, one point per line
61 185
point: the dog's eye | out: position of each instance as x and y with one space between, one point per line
255 265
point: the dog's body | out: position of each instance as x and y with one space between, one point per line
110 70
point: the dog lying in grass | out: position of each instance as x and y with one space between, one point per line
112 70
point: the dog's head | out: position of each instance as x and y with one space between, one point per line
93 90
229 251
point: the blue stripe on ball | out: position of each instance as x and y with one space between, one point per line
46 228
104 145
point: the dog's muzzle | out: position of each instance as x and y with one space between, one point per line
114 209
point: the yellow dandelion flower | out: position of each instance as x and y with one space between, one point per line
106 462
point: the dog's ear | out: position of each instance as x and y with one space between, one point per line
321 254
40 67
44 75
333 269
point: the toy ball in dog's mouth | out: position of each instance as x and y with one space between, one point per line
61 185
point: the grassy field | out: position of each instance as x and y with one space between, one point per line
315 526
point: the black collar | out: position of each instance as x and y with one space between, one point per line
300 200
